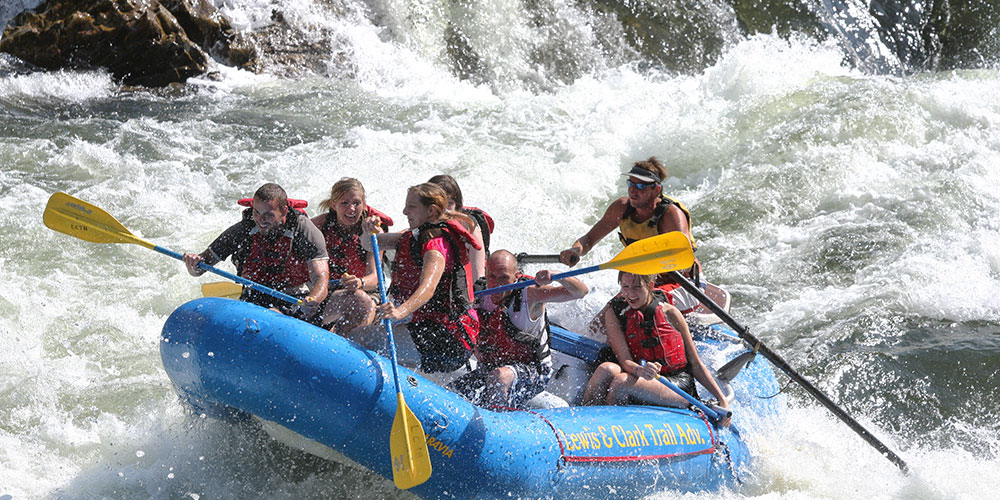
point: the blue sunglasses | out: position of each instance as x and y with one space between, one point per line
640 185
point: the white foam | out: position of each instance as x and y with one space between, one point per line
57 86
778 148
765 65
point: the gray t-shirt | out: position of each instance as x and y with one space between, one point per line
307 241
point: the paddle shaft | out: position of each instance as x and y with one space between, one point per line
239 279
387 322
654 255
527 283
777 360
710 413
414 445
526 258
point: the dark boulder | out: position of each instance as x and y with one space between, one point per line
679 35
294 50
141 42
211 31
917 35
969 32
784 17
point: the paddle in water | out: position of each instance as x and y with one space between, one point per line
659 254
729 371
777 361
77 218
411 461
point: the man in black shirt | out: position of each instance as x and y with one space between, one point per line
277 246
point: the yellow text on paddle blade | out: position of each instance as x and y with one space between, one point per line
77 218
411 461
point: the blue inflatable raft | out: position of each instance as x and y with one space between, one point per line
227 357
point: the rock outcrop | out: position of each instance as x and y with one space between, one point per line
141 42
918 35
211 31
158 42
679 35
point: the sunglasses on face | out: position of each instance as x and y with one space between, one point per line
640 185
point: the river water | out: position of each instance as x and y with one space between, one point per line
854 217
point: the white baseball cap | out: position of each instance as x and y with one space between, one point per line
642 174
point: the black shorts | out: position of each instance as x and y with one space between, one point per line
684 380
440 351
529 380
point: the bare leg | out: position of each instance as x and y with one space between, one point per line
617 395
597 387
498 384
650 391
348 310
359 310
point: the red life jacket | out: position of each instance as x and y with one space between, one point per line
271 261
485 223
650 336
299 205
453 296
501 343
343 244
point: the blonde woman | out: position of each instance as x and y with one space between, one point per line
349 304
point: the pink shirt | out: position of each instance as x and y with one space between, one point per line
441 246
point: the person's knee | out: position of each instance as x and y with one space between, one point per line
363 299
620 379
502 376
357 307
618 389
609 369
361 303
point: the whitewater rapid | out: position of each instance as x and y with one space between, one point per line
853 217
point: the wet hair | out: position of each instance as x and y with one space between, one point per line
340 188
272 192
645 279
653 166
450 187
434 195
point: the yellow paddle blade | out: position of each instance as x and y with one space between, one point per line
411 462
658 254
75 217
223 289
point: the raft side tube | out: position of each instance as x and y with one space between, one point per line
331 390
328 389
